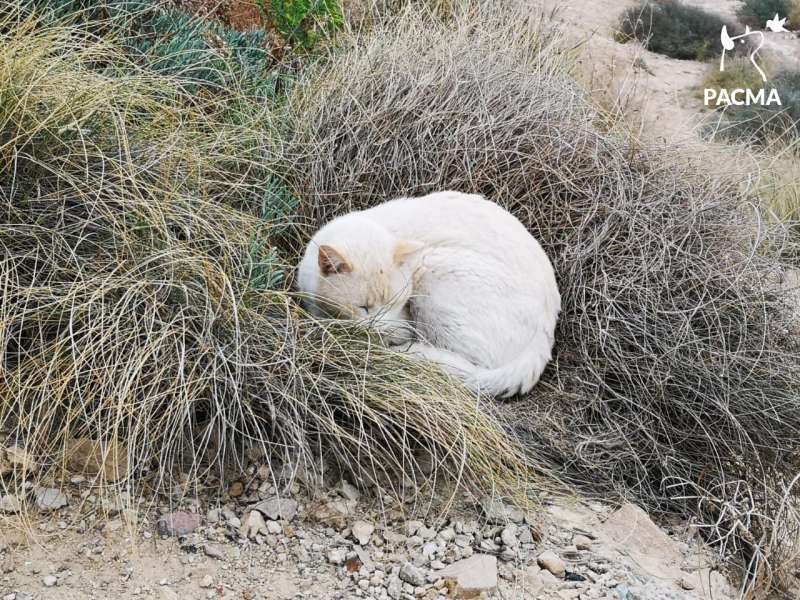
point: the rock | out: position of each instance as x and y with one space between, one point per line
550 561
207 582
413 526
509 536
87 456
525 536
236 489
635 534
582 542
447 535
411 574
500 513
214 551
48 499
508 554
362 532
348 491
10 504
178 523
472 576
337 556
253 525
274 527
49 581
429 550
395 588
21 460
426 533
686 583
277 508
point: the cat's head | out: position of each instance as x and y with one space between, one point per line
356 269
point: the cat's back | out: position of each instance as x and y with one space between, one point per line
454 219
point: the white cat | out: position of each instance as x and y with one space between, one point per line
452 277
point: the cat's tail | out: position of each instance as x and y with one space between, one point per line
515 377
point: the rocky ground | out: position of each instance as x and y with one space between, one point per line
341 544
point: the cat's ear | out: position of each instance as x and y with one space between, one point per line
404 250
332 261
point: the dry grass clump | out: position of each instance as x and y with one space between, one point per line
143 305
674 371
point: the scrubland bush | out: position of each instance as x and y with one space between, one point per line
755 13
675 380
144 301
673 28
758 124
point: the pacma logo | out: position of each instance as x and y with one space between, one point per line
739 96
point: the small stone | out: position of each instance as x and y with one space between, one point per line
277 508
213 551
472 576
447 535
550 561
253 525
509 536
582 542
430 549
395 588
411 574
686 584
525 536
21 460
49 581
337 556
274 527
236 489
362 532
207 582
500 513
348 491
10 504
178 523
413 526
508 554
48 499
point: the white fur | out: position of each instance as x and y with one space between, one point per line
471 285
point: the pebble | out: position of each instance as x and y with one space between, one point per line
472 576
253 525
178 523
207 581
362 532
550 561
337 556
236 489
277 508
582 542
500 513
48 499
348 491
411 574
49 581
214 551
509 536
9 504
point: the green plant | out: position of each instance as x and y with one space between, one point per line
302 22
673 28
755 13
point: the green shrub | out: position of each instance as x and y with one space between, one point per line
755 13
674 29
303 22
764 124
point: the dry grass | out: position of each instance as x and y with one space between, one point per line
143 304
675 370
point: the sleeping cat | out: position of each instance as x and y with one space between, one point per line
448 277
